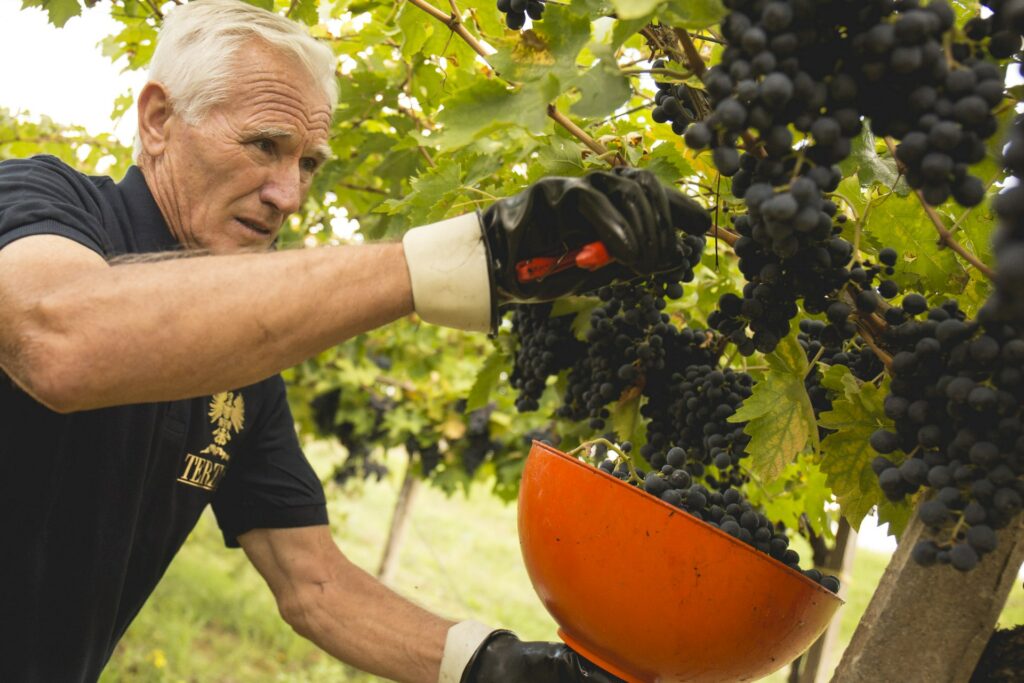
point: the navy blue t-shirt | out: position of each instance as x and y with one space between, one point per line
95 504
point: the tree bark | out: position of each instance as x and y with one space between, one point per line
399 524
931 623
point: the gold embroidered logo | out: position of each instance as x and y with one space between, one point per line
227 413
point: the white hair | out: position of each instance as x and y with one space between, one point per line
195 53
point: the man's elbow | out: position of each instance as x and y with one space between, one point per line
44 363
47 381
303 611
296 614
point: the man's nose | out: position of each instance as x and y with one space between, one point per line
283 187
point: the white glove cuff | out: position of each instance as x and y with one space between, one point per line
463 640
448 269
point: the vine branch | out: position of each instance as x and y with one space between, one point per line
453 22
945 236
724 234
693 57
595 146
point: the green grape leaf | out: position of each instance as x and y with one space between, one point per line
800 490
561 156
845 454
635 9
629 425
602 88
668 163
486 380
304 11
549 49
902 223
581 307
58 11
779 416
870 168
430 192
625 29
693 14
414 31
896 515
490 105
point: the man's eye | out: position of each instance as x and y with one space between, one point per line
264 145
309 165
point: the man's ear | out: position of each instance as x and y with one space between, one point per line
154 112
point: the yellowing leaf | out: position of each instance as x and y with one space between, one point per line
845 454
779 416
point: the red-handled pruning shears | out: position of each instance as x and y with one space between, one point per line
589 257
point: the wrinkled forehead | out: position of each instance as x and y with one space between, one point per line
261 70
274 90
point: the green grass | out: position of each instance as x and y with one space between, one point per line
213 619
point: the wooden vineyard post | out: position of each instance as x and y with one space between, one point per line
931 623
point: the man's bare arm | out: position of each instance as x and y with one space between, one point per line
78 333
344 610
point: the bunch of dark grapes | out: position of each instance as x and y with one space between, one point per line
784 64
702 399
784 67
789 248
478 443
360 446
429 455
942 115
684 348
546 346
516 11
1002 29
1007 303
624 342
726 510
955 399
675 103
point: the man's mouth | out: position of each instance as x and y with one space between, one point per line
258 228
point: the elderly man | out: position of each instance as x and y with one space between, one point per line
135 391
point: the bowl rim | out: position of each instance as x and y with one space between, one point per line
684 515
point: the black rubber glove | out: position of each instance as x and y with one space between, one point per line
628 209
503 658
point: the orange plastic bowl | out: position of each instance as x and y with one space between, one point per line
651 593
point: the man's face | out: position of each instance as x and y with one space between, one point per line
230 181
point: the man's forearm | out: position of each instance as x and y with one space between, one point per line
365 624
193 326
348 613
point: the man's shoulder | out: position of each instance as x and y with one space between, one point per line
48 166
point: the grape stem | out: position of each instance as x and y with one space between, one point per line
945 237
817 356
869 339
621 457
956 530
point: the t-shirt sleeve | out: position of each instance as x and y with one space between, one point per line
269 483
44 196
